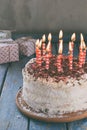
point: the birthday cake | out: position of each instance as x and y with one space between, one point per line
56 84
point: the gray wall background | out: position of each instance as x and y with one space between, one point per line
43 15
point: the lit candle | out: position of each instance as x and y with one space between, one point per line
70 56
49 44
47 57
47 61
83 48
37 42
59 57
84 52
43 46
38 52
60 36
73 38
81 54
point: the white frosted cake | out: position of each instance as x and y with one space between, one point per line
53 92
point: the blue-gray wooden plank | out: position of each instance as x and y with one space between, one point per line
38 125
78 125
10 117
3 70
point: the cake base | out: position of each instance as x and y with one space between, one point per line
31 113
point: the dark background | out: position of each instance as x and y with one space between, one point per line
44 15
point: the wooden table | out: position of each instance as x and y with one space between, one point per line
10 117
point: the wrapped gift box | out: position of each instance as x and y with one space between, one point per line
26 46
5 34
14 52
9 52
4 53
6 40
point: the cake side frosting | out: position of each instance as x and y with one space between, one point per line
45 91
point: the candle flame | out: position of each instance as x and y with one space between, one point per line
37 42
60 47
60 34
49 37
84 45
81 36
70 46
48 46
43 38
73 37
40 43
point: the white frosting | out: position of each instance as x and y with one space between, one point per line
55 97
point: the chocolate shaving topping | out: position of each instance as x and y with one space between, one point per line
41 72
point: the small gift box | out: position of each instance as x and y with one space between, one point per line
4 53
14 52
5 34
26 46
9 52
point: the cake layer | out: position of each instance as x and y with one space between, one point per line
52 97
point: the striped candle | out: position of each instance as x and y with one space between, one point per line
70 56
43 46
84 52
49 49
81 55
49 46
47 61
38 52
59 57
37 42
